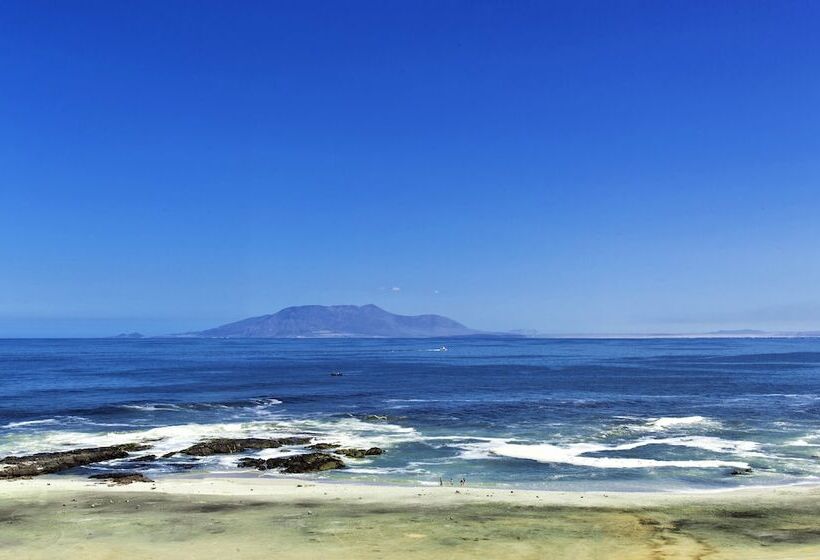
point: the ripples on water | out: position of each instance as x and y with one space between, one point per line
608 414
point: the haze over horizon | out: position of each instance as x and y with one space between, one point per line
587 167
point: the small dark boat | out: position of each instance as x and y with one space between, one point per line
335 374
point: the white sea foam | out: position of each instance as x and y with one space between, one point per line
154 407
687 424
576 453
268 402
12 425
349 432
187 407
386 470
671 422
809 440
708 443
59 420
480 448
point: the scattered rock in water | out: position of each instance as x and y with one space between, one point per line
741 471
121 477
293 464
377 417
144 459
45 463
222 446
360 453
169 454
323 446
308 462
251 463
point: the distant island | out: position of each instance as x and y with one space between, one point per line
338 321
371 321
130 335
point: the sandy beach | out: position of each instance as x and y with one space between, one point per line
248 517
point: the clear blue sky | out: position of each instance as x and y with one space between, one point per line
566 167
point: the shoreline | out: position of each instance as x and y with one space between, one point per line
59 516
232 485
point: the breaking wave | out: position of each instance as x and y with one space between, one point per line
579 453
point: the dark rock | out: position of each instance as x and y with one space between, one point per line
44 463
145 458
308 462
251 463
360 453
323 446
223 446
169 454
122 477
737 471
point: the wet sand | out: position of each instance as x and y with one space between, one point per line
191 517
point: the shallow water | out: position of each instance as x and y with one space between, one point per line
563 414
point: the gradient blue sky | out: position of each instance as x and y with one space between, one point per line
566 167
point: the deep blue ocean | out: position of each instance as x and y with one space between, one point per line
556 414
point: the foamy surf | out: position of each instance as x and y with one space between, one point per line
496 411
671 422
348 432
577 453
13 425
254 404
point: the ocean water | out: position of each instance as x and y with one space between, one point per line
530 413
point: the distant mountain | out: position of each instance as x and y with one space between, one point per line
338 321
523 332
738 332
130 335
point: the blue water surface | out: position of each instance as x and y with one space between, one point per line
544 413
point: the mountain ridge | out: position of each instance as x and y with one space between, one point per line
337 321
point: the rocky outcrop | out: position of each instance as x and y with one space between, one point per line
293 464
44 463
324 446
144 459
222 446
121 477
352 452
737 471
360 453
308 462
252 463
